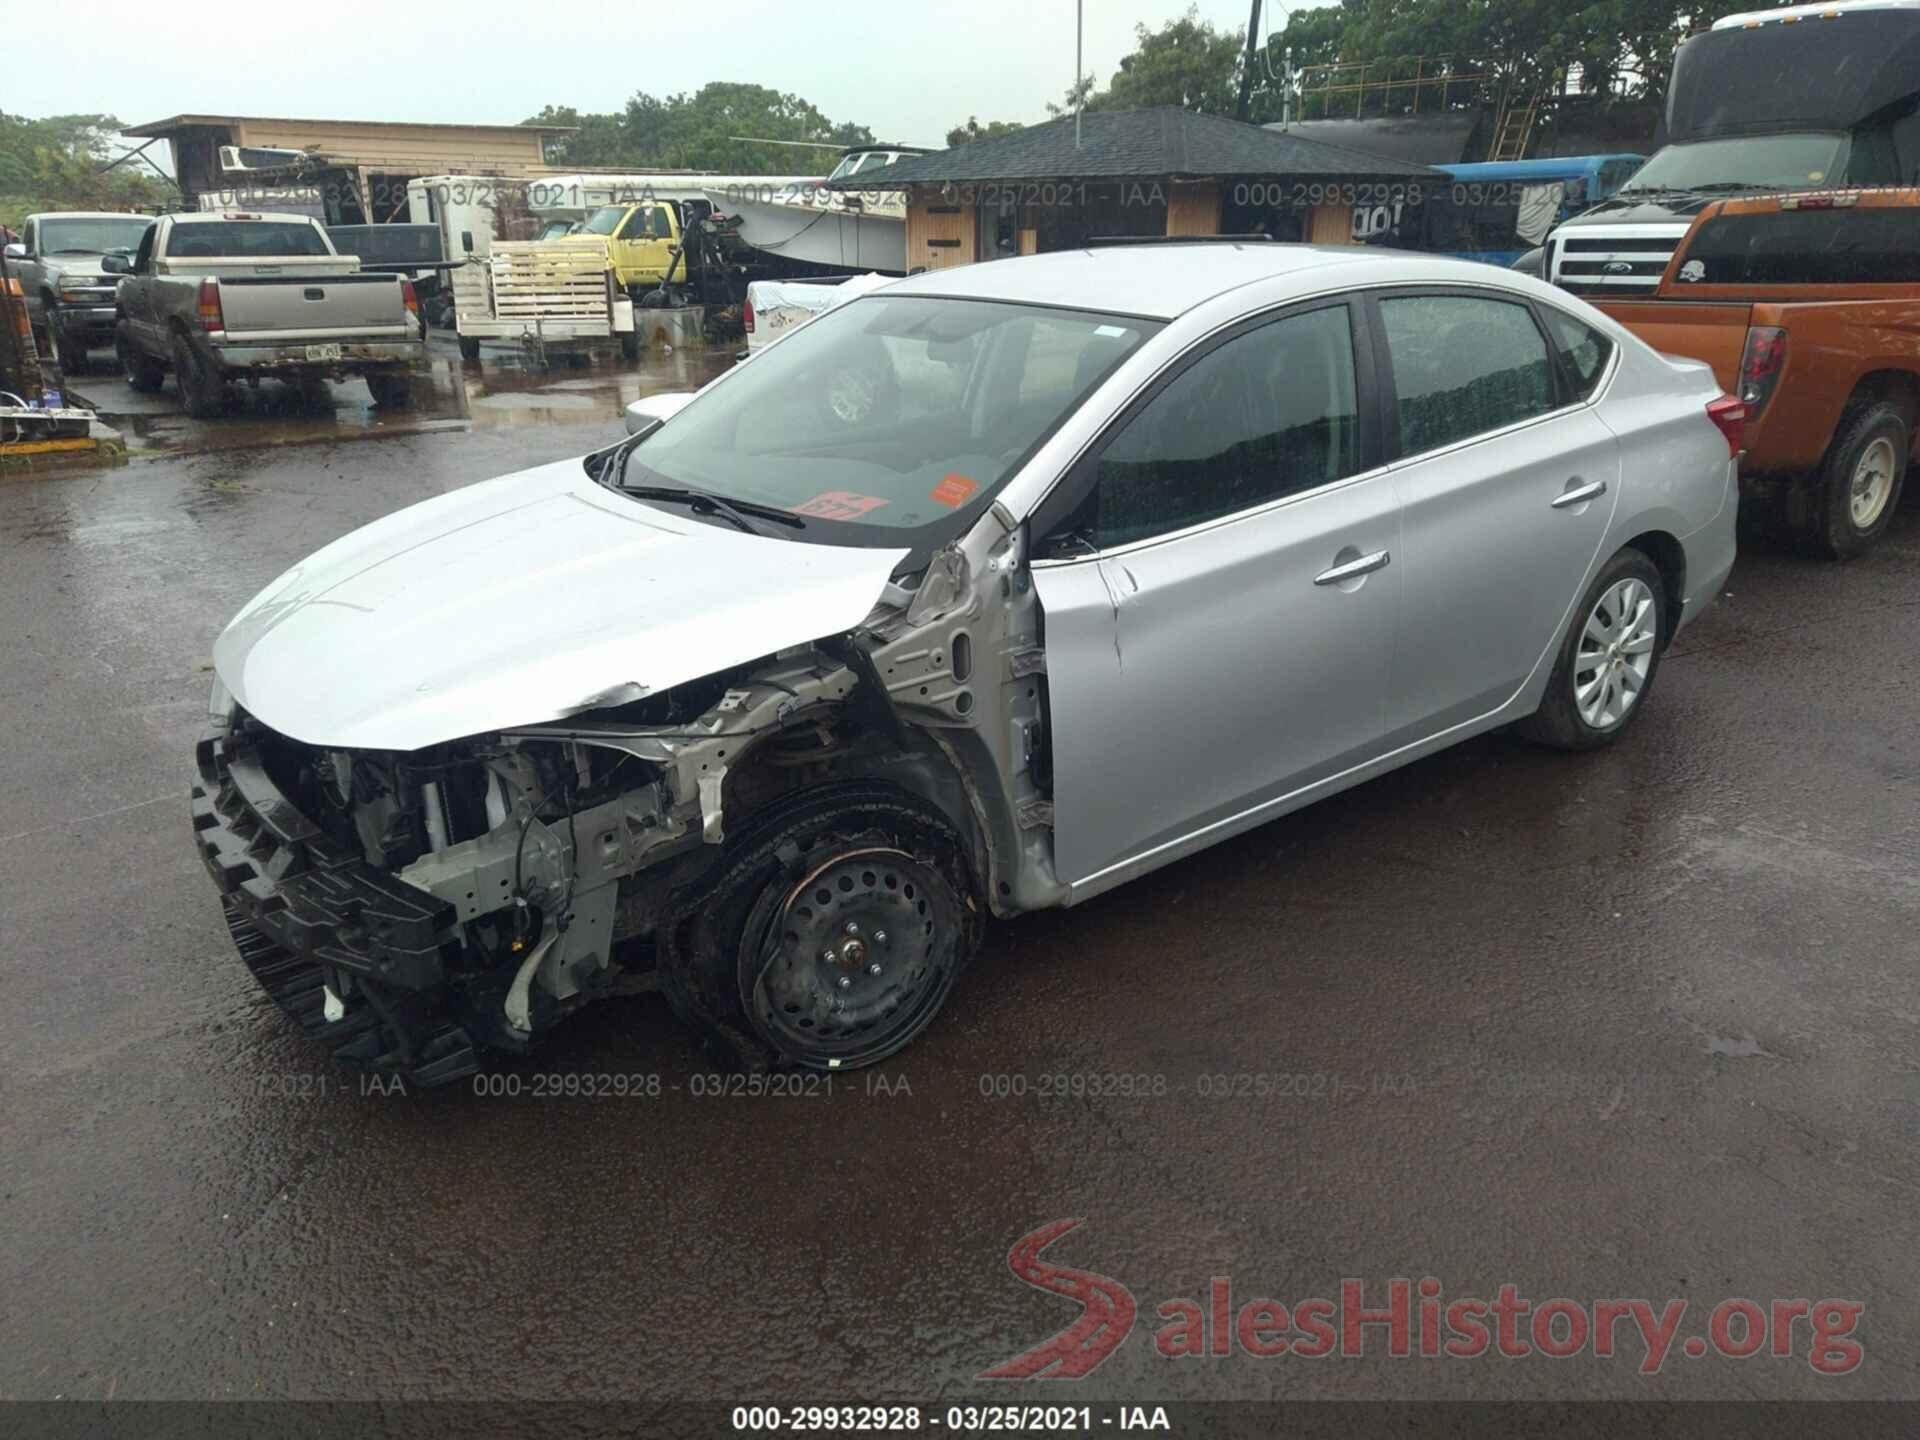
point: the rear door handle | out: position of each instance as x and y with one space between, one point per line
1578 494
1353 569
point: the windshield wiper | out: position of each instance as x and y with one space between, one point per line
734 511
705 502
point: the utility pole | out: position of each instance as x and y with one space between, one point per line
1079 98
1246 70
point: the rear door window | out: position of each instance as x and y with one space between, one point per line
1464 365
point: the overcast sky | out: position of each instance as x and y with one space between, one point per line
908 71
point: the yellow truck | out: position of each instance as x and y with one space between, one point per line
640 240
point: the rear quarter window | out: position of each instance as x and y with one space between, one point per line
1584 352
1806 247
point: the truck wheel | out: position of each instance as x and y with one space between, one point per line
469 347
143 373
69 353
200 387
1607 660
1860 482
390 392
833 934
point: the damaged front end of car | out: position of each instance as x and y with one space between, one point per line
416 909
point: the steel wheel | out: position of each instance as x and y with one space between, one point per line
855 959
1616 653
1872 483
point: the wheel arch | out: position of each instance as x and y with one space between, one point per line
1669 557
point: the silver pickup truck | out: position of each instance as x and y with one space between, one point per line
223 297
57 262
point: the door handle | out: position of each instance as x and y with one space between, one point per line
1354 569
1579 493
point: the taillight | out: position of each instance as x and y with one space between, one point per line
210 314
747 315
1760 365
408 298
1729 412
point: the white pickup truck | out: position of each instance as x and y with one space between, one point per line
245 296
776 306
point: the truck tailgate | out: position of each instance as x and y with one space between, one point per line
1713 331
263 307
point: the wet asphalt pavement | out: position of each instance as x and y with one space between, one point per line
1640 1024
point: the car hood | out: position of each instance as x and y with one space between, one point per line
79 267
524 599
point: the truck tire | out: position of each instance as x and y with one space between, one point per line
201 389
831 932
630 344
469 347
143 372
390 391
1608 660
1860 480
68 353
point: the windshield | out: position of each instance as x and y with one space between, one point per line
1766 162
91 237
604 221
891 413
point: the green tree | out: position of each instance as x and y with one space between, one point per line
59 163
1186 62
722 126
974 130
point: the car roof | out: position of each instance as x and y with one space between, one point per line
1164 281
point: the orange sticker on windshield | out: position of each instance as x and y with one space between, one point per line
839 505
954 491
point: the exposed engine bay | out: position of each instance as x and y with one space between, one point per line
415 908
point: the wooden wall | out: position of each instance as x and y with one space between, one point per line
404 149
1330 225
940 233
1193 209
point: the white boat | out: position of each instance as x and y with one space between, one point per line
842 229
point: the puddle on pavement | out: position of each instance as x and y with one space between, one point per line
495 392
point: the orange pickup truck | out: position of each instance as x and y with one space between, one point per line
1808 308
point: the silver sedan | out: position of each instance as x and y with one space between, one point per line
981 594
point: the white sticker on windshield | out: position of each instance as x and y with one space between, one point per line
1111 331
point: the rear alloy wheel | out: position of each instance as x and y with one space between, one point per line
1861 481
1608 660
834 934
200 389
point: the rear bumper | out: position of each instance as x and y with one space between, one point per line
1710 552
314 921
355 356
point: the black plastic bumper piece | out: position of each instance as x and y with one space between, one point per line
301 906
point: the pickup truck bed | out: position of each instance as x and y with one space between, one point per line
1808 309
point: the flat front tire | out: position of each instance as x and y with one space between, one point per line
1608 658
831 934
